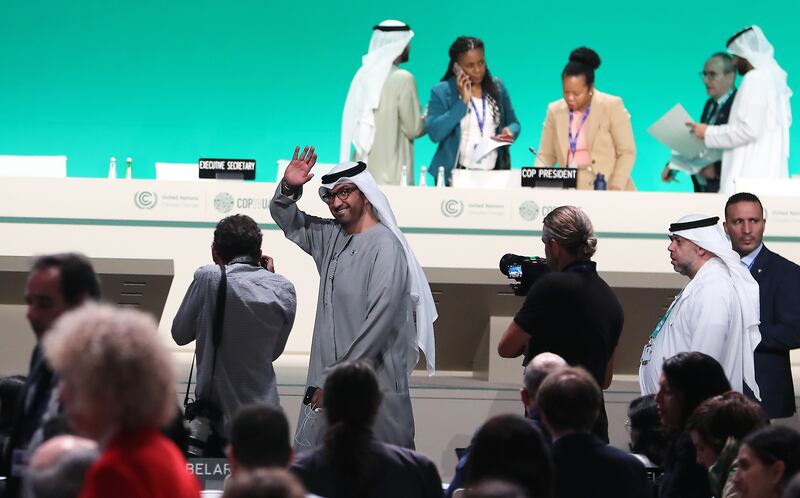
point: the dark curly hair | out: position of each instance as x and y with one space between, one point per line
461 46
583 61
237 235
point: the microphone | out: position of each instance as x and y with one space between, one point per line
536 155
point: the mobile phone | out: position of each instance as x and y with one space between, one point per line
457 69
310 390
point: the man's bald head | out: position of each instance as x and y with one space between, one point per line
535 372
58 467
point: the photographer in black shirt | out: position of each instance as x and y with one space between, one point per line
570 311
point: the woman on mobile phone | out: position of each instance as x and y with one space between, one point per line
467 108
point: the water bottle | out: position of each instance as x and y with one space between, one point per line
440 177
112 168
600 182
404 176
423 176
128 168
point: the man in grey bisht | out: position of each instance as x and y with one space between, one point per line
372 290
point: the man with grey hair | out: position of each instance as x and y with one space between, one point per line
570 311
717 313
58 467
718 76
535 372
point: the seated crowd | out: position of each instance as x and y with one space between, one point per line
695 438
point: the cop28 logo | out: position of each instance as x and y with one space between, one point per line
223 202
529 210
145 199
452 208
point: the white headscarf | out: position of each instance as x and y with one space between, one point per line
420 291
358 120
713 239
753 45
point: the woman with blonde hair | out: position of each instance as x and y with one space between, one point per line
117 388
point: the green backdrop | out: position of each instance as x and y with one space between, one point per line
177 80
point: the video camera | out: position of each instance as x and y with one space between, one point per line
526 270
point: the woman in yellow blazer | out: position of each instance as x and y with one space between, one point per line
588 129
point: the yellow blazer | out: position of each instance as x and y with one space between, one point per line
609 136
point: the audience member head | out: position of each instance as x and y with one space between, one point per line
570 401
510 448
577 78
259 438
568 236
648 437
687 379
718 75
59 465
264 483
744 222
535 372
768 459
492 488
351 398
717 419
115 374
58 283
236 236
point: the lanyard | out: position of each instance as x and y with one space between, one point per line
573 141
481 119
663 320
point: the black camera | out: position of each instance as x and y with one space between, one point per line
526 270
204 418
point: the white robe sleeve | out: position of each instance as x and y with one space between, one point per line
748 117
710 316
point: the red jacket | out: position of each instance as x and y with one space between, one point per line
140 464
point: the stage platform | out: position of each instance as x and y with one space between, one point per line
458 236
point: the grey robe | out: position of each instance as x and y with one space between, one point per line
363 312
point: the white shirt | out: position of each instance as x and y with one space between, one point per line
749 259
754 142
706 317
471 134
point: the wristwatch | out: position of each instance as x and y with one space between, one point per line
287 189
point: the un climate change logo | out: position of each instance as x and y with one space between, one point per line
145 199
223 202
452 208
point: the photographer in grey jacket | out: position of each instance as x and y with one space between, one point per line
255 309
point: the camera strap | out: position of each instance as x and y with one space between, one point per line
219 315
216 331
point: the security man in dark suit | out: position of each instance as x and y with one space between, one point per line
779 283
718 76
56 284
569 399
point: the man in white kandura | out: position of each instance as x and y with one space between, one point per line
717 313
755 141
372 289
382 115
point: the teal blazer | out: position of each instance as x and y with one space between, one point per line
445 110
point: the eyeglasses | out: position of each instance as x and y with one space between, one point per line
342 194
712 75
